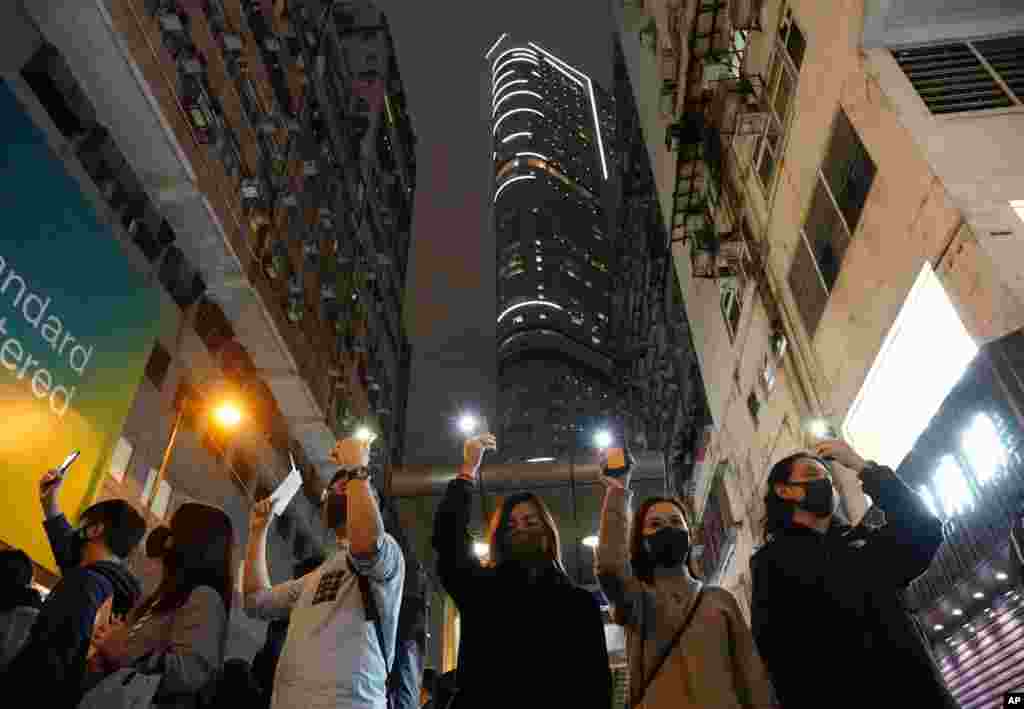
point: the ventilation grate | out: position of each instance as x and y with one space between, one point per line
1006 57
951 79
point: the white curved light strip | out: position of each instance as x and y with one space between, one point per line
513 136
516 93
513 53
495 45
528 303
514 110
513 60
514 82
524 50
558 63
508 182
533 155
501 78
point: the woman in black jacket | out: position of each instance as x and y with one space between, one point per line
529 637
828 614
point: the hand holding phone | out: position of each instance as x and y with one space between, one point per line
72 457
617 464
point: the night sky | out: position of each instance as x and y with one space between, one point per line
450 301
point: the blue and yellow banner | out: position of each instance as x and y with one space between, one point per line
77 323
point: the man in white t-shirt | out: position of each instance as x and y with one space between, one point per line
332 657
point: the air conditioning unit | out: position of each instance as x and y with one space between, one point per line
751 123
170 22
745 14
250 188
232 42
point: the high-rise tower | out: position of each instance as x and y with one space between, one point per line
551 127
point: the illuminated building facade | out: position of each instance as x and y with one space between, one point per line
552 127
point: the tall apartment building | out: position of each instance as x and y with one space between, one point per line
255 161
841 202
552 129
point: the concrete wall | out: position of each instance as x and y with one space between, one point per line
911 217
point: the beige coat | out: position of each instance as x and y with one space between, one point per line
715 664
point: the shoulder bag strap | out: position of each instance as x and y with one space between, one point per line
373 617
668 650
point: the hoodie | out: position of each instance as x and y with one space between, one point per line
54 654
19 606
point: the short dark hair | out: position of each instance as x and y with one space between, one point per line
15 568
778 513
123 526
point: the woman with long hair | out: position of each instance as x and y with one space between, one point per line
529 636
179 631
689 645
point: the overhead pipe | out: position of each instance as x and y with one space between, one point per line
426 480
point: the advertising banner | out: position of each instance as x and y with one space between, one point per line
77 324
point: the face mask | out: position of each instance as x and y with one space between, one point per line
77 545
336 511
668 547
819 497
529 548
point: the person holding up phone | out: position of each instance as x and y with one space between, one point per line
529 636
689 645
91 557
343 615
828 598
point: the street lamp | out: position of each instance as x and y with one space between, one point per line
364 434
603 439
226 412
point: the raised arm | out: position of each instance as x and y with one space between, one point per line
260 598
456 565
58 530
903 549
611 562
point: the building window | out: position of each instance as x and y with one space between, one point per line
754 407
844 180
732 304
790 45
157 365
967 76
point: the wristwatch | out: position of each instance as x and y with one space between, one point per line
357 473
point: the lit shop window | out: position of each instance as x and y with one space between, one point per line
985 451
954 493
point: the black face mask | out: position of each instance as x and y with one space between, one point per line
819 497
336 515
527 548
668 547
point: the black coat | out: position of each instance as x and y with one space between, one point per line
523 644
828 613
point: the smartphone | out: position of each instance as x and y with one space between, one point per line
616 466
67 463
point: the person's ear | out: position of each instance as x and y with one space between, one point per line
95 531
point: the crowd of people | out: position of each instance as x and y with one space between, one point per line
827 622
